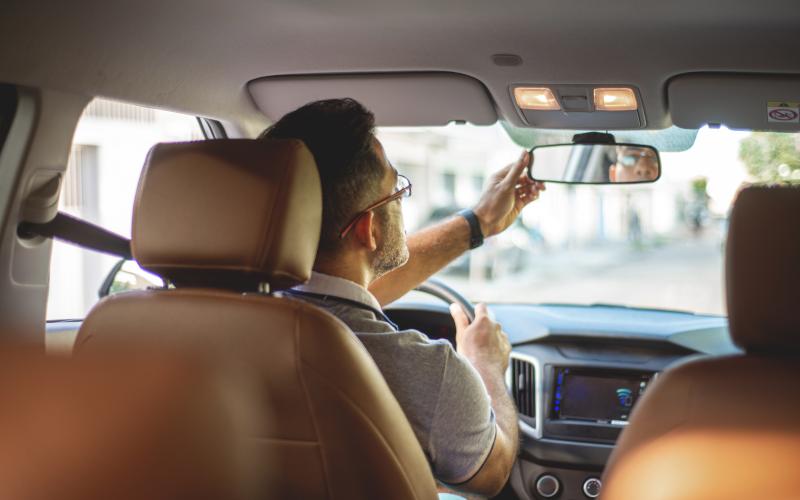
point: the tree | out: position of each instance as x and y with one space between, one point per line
771 156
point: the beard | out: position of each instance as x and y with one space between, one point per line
392 251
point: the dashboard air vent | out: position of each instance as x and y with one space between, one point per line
523 387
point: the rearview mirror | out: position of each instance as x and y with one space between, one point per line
595 164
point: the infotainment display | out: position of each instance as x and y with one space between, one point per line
593 395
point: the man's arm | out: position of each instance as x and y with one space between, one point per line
430 249
487 348
496 469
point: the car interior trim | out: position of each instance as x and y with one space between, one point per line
20 126
538 391
438 97
212 129
34 153
736 101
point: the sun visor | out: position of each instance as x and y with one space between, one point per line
750 102
397 99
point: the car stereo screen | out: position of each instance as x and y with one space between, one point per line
597 396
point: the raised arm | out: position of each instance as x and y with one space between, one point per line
509 190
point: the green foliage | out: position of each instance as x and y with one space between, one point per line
772 157
699 186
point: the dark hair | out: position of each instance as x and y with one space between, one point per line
340 135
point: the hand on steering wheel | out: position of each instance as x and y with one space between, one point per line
445 292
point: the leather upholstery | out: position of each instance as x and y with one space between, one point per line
128 425
337 432
712 429
230 213
763 269
219 215
729 428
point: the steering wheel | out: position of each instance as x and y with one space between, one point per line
448 294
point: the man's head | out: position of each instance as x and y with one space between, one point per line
354 173
634 164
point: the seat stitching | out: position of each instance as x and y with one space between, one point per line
295 442
262 252
299 363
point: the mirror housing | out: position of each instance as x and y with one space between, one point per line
595 158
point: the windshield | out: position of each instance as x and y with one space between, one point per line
655 245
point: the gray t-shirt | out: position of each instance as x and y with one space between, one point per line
440 392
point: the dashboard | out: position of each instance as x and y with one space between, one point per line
576 373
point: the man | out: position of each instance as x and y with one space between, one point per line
456 402
634 164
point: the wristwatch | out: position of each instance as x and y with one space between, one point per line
475 234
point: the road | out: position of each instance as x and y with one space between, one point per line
685 274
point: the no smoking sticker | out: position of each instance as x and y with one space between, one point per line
783 112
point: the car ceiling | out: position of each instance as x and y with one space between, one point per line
199 55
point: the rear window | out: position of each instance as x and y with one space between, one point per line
108 152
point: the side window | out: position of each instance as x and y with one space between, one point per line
108 151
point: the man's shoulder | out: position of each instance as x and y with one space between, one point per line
411 355
408 342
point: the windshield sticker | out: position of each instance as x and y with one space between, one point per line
783 112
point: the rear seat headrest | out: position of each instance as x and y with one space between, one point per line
763 269
230 213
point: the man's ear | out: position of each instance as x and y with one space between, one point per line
612 173
365 231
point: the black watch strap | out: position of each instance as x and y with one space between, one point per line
475 234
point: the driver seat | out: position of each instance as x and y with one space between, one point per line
223 221
729 428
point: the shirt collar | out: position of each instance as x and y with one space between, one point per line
325 284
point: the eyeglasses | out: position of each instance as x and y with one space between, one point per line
402 190
630 159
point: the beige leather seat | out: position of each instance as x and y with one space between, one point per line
220 218
126 424
729 428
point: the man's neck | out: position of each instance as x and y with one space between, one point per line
341 269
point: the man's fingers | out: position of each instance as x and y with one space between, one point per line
524 180
528 192
459 316
481 310
516 169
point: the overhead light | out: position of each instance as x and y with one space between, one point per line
620 99
538 98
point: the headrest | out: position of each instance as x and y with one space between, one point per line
229 213
763 269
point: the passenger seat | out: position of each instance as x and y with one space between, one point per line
729 428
